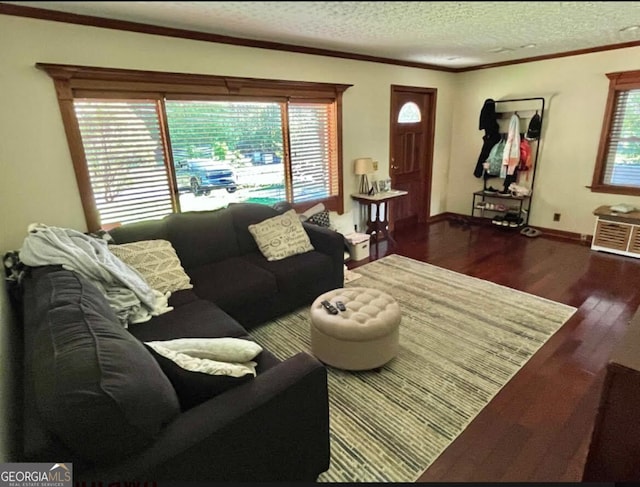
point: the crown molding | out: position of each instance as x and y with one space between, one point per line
124 25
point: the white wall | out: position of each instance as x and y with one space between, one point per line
38 182
575 90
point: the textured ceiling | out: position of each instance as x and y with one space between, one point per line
447 34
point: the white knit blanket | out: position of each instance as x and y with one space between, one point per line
128 293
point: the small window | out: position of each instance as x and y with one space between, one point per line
618 165
409 113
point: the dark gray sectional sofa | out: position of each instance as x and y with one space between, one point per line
96 396
226 267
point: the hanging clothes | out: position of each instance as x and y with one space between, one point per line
488 116
489 123
493 163
525 157
491 140
511 155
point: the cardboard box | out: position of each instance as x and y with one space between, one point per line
358 244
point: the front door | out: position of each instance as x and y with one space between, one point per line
413 114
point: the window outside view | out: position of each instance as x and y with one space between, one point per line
226 152
624 149
222 152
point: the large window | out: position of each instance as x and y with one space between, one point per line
618 165
145 144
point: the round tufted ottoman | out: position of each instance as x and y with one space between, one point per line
363 337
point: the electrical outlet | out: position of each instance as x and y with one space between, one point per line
375 165
556 217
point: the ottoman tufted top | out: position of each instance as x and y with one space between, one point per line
370 314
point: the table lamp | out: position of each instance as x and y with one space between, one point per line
363 166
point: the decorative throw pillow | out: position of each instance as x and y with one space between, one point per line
220 349
281 236
205 365
322 219
308 213
197 380
156 261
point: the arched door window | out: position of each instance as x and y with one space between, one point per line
409 113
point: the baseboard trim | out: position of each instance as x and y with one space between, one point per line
547 232
561 234
440 217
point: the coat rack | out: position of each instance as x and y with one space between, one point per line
484 199
535 160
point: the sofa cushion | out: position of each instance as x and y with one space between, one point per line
295 272
281 236
194 388
195 319
182 297
245 214
202 237
146 230
93 381
233 282
156 261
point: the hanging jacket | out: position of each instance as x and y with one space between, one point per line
494 161
511 155
488 117
489 142
489 122
525 155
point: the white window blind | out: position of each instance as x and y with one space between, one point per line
225 130
313 140
253 131
622 166
123 161
125 158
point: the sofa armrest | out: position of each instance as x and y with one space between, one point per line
331 243
273 428
325 240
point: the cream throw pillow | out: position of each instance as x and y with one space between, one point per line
156 261
203 365
221 349
281 236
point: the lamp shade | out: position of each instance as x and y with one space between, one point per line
363 165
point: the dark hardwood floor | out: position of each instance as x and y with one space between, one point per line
539 425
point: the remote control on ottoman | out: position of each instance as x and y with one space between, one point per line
329 307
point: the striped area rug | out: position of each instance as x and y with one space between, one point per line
461 340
